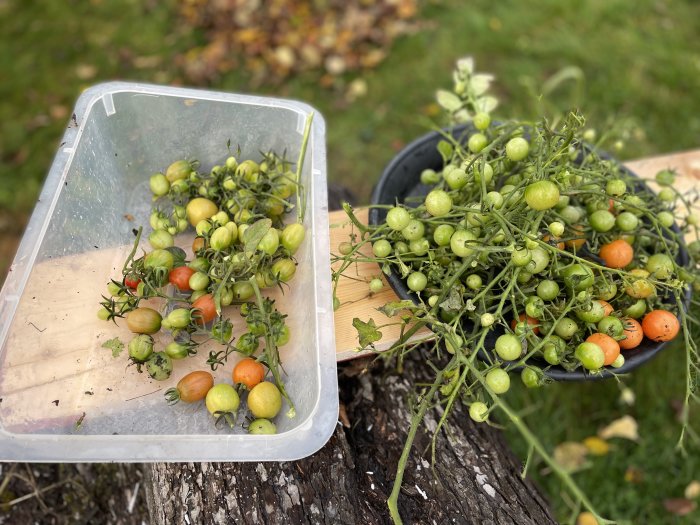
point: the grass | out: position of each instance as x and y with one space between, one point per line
633 61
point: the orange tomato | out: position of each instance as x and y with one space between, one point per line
534 323
547 238
610 347
633 334
660 325
193 387
204 309
616 254
607 307
199 243
579 240
249 372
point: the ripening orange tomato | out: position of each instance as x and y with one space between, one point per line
249 372
660 325
610 347
633 334
616 254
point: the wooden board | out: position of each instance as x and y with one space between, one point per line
353 291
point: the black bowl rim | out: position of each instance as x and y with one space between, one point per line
555 372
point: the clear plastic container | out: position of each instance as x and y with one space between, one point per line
63 397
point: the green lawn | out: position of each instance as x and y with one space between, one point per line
639 62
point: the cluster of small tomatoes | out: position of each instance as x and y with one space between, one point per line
530 233
241 247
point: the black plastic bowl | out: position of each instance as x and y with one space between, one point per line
401 180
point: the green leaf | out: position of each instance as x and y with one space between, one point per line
448 100
115 345
367 332
392 308
485 104
480 83
445 149
253 235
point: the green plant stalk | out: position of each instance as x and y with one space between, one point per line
301 208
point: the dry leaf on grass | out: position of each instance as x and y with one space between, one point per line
571 455
625 427
679 506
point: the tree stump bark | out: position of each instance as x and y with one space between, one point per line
475 479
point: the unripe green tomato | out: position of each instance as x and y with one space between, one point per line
443 234
556 228
199 281
226 296
103 314
414 230
154 219
381 248
197 294
660 266
534 307
199 264
221 239
634 204
487 319
233 229
398 218
542 195
605 290
485 172
175 350
159 184
517 149
200 209
284 269
602 220
565 328
178 318
264 279
615 187
220 218
530 378
429 177
474 281
456 178
178 170
578 277
452 342
539 261
231 163
248 170
262 426
292 236
508 347
159 258
611 326
270 241
461 243
417 281
113 289
665 177
264 400
222 398
571 214
494 200
243 290
140 348
345 248
229 184
478 411
179 187
481 121
627 221
665 218
521 256
547 290
376 285
592 314
619 361
419 247
667 195
498 380
432 300
203 227
524 277
477 142
590 355
438 203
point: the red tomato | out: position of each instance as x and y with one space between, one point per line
204 309
180 278
131 281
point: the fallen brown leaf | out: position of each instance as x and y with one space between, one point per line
571 455
679 506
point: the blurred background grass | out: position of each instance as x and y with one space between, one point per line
633 61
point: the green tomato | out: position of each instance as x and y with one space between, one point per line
611 326
381 248
602 220
660 266
474 281
517 149
199 281
590 355
199 264
605 290
414 230
159 258
627 221
221 239
494 200
456 178
487 319
539 261
530 377
665 177
571 214
178 318
556 228
592 314
667 195
565 328
547 290
175 350
521 256
159 184
578 277
438 203
270 242
534 307
461 243
262 426
554 349
477 142
284 269
619 361
401 247
243 290
419 247
292 236
376 285
443 234
636 310
179 170
429 177
508 347
615 187
141 348
485 172
417 281
159 366
481 121
542 195
398 218
478 411
666 219
222 398
498 380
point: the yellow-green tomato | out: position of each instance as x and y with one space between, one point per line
292 236
222 398
284 269
161 239
478 411
144 321
262 426
221 238
200 209
265 400
159 184
178 170
270 241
